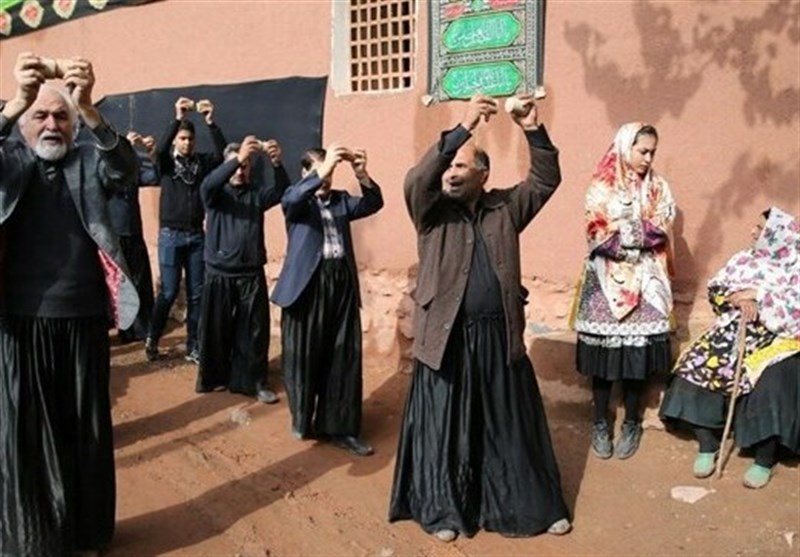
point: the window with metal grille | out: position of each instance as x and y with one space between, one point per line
381 44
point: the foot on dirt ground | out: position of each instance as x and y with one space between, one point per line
445 535
630 436
352 444
267 396
601 440
560 527
757 476
151 350
704 464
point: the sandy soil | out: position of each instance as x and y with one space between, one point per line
220 474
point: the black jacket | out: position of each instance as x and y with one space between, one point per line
235 219
180 205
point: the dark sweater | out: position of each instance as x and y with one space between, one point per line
180 204
52 268
234 242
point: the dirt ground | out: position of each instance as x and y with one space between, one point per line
220 474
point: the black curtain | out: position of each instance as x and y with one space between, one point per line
289 110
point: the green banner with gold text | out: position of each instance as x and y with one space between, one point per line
494 47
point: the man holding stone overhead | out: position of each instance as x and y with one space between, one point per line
65 283
474 448
180 215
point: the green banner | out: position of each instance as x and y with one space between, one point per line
18 17
494 47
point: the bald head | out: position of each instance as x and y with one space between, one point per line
48 126
464 179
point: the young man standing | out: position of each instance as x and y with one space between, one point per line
180 235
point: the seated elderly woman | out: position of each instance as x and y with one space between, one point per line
761 284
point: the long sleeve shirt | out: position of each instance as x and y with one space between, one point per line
180 204
234 243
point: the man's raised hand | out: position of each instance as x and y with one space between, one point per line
359 164
273 150
527 117
206 108
479 106
250 146
29 77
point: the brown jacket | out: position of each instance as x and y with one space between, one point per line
445 243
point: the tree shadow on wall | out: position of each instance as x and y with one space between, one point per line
753 185
674 67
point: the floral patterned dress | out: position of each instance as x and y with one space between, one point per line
624 302
770 268
770 381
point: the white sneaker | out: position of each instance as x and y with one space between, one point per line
560 527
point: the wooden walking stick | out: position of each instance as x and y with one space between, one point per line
737 376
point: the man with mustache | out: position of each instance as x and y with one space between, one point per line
234 314
65 284
474 448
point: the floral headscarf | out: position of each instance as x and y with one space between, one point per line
618 204
770 268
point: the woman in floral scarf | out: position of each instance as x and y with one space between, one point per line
625 298
761 284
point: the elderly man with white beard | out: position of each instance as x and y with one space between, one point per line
64 284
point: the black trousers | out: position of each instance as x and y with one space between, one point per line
321 337
57 485
234 333
135 251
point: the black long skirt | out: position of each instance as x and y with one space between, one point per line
321 338
770 410
57 486
475 449
134 250
234 333
623 362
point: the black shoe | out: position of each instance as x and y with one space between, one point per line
352 444
601 440
630 436
267 396
151 350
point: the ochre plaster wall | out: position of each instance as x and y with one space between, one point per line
720 81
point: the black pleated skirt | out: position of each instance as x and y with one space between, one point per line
624 362
770 410
475 449
234 333
57 486
321 359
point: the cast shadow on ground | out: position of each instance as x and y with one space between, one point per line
567 418
174 418
215 511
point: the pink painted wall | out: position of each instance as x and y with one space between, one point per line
720 80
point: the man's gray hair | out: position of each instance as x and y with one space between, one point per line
231 148
71 108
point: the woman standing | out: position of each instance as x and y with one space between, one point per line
761 284
625 297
